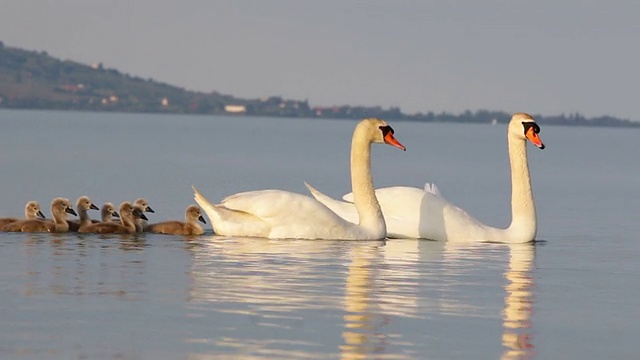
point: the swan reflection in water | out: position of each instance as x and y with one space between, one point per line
518 304
517 328
360 320
381 283
300 287
284 283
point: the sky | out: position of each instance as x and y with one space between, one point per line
543 57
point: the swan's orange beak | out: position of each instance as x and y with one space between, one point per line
391 140
534 138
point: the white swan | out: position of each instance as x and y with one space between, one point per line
281 214
423 213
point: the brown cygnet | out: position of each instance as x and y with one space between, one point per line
144 205
84 204
31 211
189 227
60 207
108 212
128 217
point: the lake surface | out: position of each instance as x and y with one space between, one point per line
572 295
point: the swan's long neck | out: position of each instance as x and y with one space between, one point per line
523 209
364 197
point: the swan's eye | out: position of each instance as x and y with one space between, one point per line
528 125
385 130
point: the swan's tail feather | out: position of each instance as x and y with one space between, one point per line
432 188
318 195
331 203
207 206
348 197
345 210
200 199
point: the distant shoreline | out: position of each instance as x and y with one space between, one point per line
542 119
31 80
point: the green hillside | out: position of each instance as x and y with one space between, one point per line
35 80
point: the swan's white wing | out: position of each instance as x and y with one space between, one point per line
229 222
400 206
291 215
396 194
400 201
424 213
345 210
277 205
411 212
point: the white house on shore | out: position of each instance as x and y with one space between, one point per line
235 109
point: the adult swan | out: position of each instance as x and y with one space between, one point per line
280 214
423 213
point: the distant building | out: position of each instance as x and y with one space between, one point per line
71 88
235 109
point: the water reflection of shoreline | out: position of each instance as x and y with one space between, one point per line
518 304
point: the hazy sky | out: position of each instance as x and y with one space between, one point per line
546 57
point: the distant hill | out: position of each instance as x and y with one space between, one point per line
35 80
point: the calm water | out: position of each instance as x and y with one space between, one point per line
572 296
